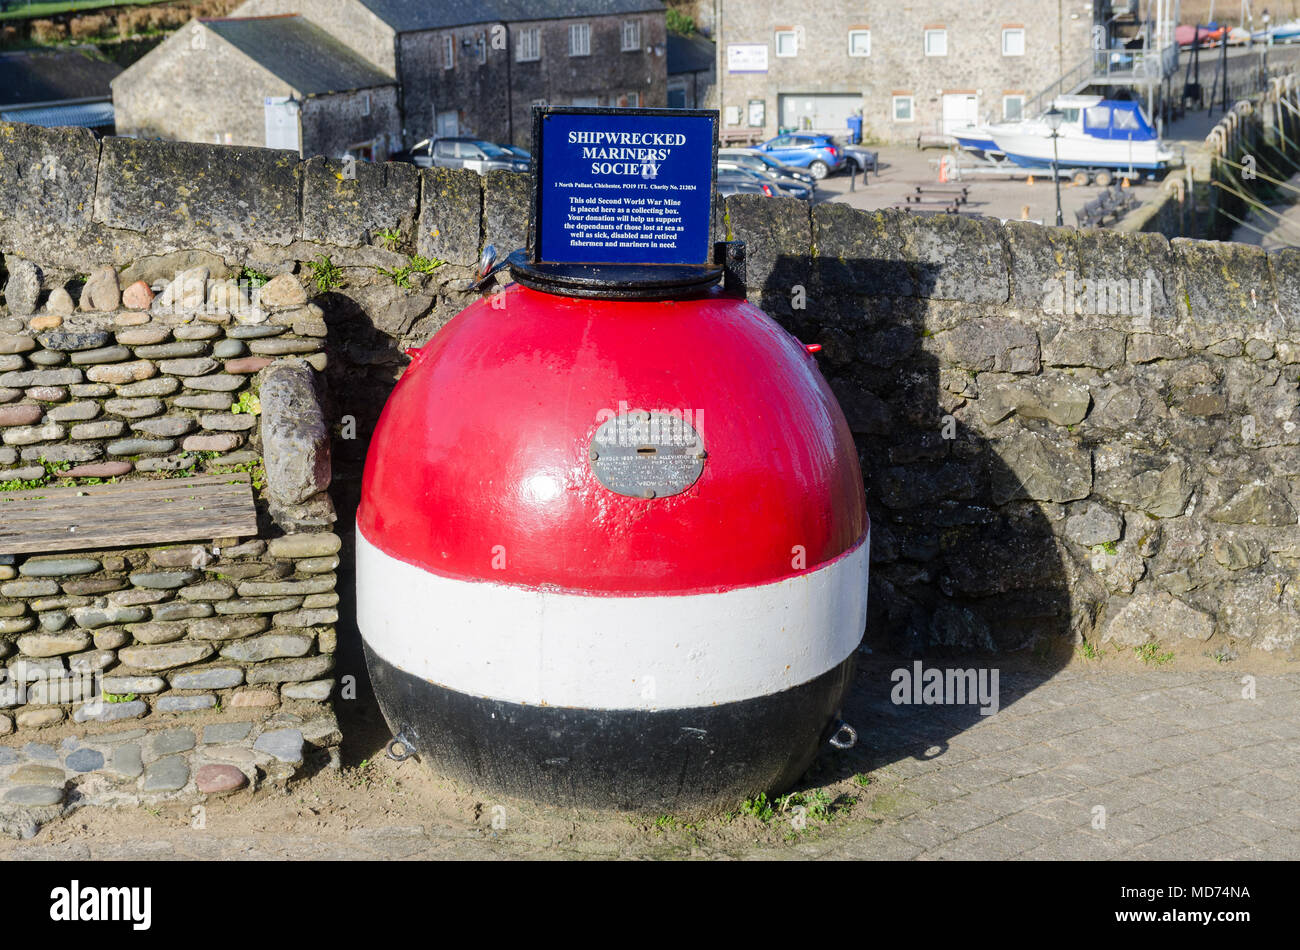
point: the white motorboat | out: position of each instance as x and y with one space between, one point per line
1094 133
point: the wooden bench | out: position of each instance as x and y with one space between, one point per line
735 138
140 511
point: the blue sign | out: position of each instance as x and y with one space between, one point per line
624 186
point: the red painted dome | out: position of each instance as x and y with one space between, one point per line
479 466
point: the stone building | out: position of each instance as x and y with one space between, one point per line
909 68
58 87
478 69
278 82
692 72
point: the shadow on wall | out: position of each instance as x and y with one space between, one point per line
965 573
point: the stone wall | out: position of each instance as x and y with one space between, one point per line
156 369
1065 434
1074 434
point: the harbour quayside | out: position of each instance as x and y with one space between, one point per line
1095 133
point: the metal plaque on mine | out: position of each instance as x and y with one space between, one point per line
647 454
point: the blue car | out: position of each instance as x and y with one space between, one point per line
817 153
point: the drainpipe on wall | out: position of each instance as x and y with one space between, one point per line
719 54
401 96
510 90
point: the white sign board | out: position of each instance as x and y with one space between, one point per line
747 58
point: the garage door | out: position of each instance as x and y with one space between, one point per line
818 113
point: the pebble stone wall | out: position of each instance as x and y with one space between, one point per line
116 652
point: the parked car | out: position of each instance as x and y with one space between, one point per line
474 154
791 178
785 186
740 182
864 158
817 153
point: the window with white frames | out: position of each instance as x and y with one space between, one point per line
631 36
631 100
936 42
1013 41
787 43
580 39
1013 108
449 52
859 42
903 111
528 45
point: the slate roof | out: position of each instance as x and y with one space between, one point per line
303 55
33 76
412 16
689 54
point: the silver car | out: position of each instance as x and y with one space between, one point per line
475 154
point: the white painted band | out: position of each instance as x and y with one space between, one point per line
603 651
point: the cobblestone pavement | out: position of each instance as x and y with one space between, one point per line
1076 765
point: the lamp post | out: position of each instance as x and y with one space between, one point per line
1054 116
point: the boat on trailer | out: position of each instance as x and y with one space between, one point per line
1095 134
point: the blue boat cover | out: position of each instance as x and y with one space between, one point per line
1116 119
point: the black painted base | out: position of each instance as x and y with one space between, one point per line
677 760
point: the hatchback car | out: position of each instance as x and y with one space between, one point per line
784 186
817 153
739 182
756 161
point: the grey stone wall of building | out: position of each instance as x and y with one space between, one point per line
493 99
1057 37
347 121
1064 434
223 93
223 101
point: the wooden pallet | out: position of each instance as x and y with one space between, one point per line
141 511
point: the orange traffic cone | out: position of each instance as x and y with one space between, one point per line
1029 180
1125 184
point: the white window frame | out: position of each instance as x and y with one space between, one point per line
911 108
1020 114
533 46
631 34
776 43
940 34
579 39
1009 31
449 52
365 103
852 34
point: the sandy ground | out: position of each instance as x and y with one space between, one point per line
377 808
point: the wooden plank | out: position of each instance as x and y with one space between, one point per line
140 511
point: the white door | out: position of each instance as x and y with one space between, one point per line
960 110
281 123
